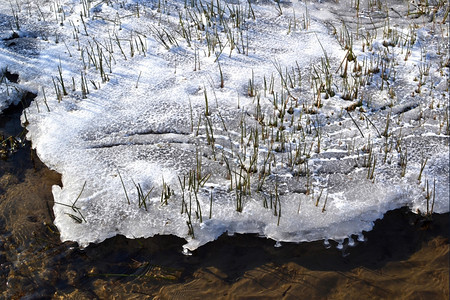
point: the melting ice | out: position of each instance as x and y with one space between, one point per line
298 121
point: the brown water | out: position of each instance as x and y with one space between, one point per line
405 256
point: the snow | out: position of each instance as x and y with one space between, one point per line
10 94
134 124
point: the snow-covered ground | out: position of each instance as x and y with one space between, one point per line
296 120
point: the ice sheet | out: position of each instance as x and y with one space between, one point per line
132 112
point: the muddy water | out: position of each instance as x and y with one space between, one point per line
405 256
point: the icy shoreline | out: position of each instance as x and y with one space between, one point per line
290 132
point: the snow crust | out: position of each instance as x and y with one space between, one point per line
128 139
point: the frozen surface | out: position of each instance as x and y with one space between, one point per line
298 121
10 92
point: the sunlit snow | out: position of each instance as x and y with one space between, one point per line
298 121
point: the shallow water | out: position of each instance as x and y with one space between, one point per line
403 253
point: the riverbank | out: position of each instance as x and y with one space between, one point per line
404 256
